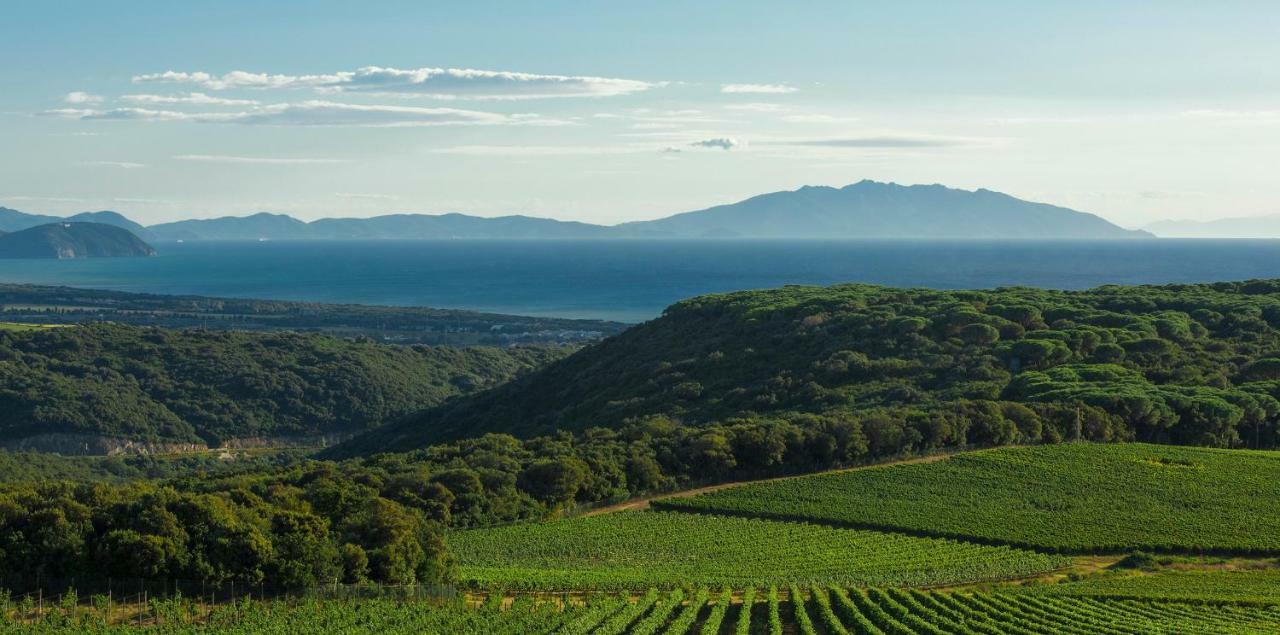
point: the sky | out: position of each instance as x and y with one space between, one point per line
609 111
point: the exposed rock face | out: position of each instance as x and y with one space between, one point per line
94 445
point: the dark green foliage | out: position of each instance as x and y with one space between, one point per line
208 387
918 369
285 535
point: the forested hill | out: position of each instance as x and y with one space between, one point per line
198 387
1194 364
73 240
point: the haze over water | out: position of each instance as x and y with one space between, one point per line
632 281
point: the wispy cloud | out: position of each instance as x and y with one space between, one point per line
756 107
196 99
81 97
128 165
222 158
540 150
722 143
763 89
443 83
887 141
315 113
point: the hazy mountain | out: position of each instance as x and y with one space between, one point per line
73 240
867 209
453 226
255 227
12 220
870 209
1243 227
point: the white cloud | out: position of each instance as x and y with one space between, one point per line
128 165
328 113
723 143
764 89
80 97
539 150
444 83
315 113
883 141
198 99
757 107
222 158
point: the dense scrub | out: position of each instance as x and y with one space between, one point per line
207 387
830 610
286 536
916 369
1070 497
635 550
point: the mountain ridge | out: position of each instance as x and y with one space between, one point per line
65 240
866 209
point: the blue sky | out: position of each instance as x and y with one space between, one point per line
606 111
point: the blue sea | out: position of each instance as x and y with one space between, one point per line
632 281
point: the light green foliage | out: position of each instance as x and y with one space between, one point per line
1076 497
1258 586
635 550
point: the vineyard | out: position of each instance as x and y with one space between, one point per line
1074 498
829 610
1258 586
636 550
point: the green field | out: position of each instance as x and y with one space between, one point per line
19 326
1259 586
1073 498
828 610
635 550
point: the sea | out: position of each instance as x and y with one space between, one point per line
633 281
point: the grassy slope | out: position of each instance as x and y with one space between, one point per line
1076 497
634 550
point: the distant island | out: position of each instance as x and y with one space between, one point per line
866 210
73 240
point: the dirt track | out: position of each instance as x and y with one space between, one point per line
643 503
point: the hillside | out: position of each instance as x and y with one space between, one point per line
1074 498
62 389
73 240
12 220
869 209
1242 227
916 369
392 226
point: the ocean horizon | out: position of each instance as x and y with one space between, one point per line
633 281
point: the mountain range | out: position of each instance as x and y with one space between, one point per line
867 209
63 240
